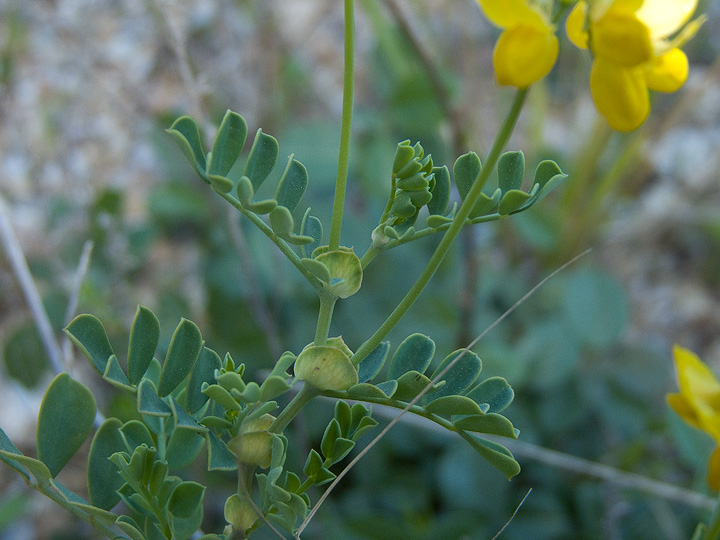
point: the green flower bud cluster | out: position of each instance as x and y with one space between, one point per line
413 181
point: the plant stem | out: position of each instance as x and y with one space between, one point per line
346 126
327 304
305 394
451 234
279 242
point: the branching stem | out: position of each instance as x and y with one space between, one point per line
453 230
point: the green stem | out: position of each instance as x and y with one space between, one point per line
327 304
279 242
346 126
453 230
373 251
162 443
50 493
307 393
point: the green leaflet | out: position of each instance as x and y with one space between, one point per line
414 354
65 420
185 347
203 372
495 392
187 136
144 337
511 167
88 335
497 455
262 158
183 448
440 192
371 365
292 185
102 475
492 423
229 141
461 375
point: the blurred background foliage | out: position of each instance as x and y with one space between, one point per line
86 90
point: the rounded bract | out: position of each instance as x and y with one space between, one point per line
326 368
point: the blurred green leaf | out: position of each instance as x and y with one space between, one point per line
24 356
595 306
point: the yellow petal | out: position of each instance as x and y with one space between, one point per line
667 73
524 54
621 38
598 8
575 25
505 13
713 477
665 17
696 380
684 409
620 94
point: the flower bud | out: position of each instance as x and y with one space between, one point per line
240 513
326 368
345 271
253 445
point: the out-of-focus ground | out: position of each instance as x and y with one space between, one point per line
86 87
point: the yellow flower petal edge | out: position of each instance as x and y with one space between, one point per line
667 73
684 409
698 403
506 13
620 94
665 17
575 26
695 378
523 55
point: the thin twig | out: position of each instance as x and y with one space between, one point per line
566 462
74 295
425 390
513 514
27 284
179 44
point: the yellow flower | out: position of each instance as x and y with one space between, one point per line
633 52
528 47
698 403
